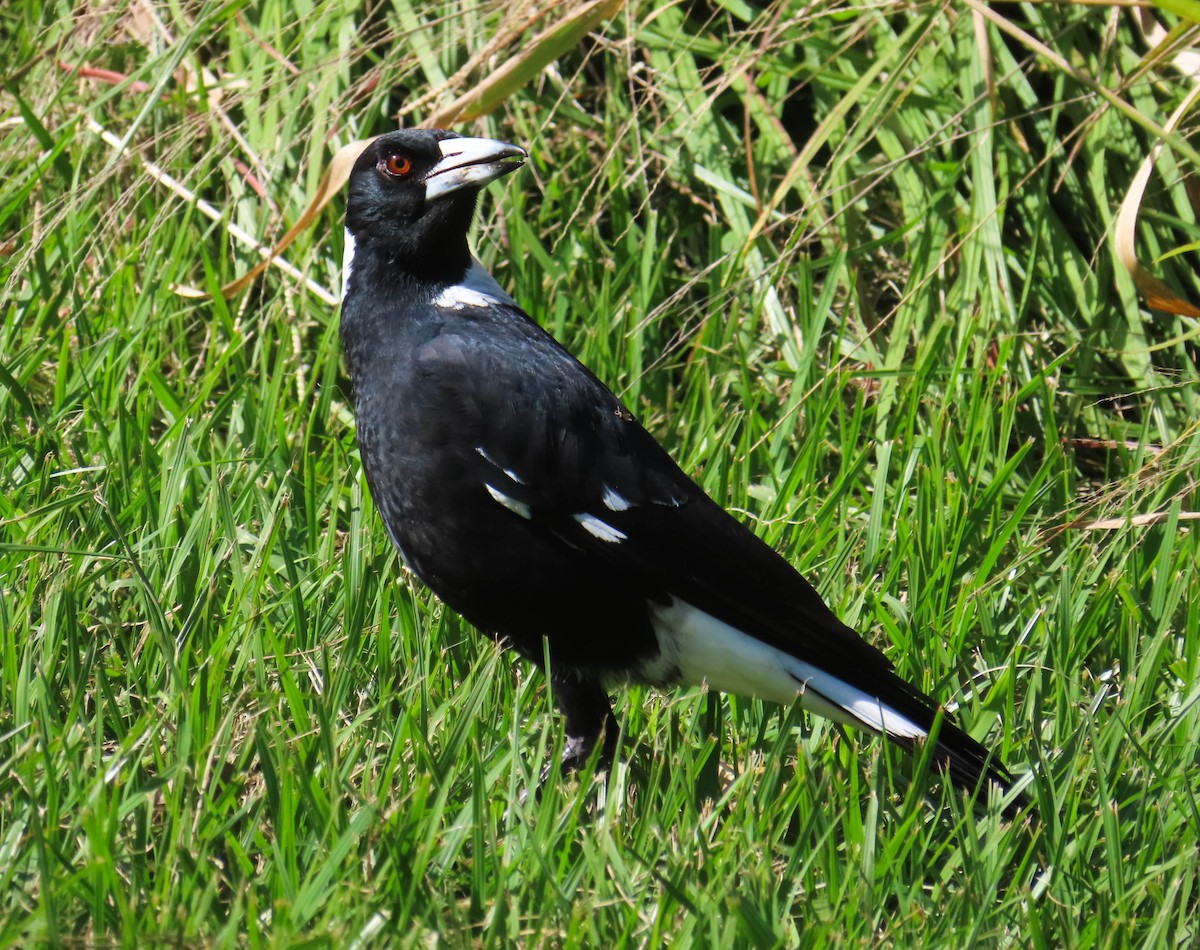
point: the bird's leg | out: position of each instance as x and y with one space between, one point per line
588 713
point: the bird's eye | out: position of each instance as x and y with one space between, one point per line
397 164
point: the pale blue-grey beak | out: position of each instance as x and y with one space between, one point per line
471 163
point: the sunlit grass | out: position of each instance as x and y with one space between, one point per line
848 262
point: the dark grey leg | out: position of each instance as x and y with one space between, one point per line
588 713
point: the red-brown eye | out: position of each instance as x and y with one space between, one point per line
397 164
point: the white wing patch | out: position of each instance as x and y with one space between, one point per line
516 507
492 462
347 262
614 501
600 529
698 649
478 288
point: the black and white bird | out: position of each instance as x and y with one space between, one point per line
521 490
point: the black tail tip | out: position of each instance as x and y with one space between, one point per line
971 767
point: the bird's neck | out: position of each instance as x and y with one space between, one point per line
385 270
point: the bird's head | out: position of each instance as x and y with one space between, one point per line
412 192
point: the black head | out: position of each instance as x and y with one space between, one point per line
412 195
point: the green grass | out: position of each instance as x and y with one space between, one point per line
228 717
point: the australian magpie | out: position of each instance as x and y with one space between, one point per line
530 500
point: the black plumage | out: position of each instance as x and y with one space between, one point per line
530 500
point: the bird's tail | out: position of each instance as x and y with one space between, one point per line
970 765
910 718
697 647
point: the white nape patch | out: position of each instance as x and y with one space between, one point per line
599 529
478 288
458 297
516 507
492 462
347 262
614 501
705 650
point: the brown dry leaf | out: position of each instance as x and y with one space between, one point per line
1157 294
519 20
541 51
336 175
1138 521
1187 61
482 99
177 187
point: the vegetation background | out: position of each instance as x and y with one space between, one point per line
852 261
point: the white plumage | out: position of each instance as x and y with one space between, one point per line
700 649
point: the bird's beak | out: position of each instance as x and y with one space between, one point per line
471 163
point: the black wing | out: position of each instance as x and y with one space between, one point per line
566 464
574 467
